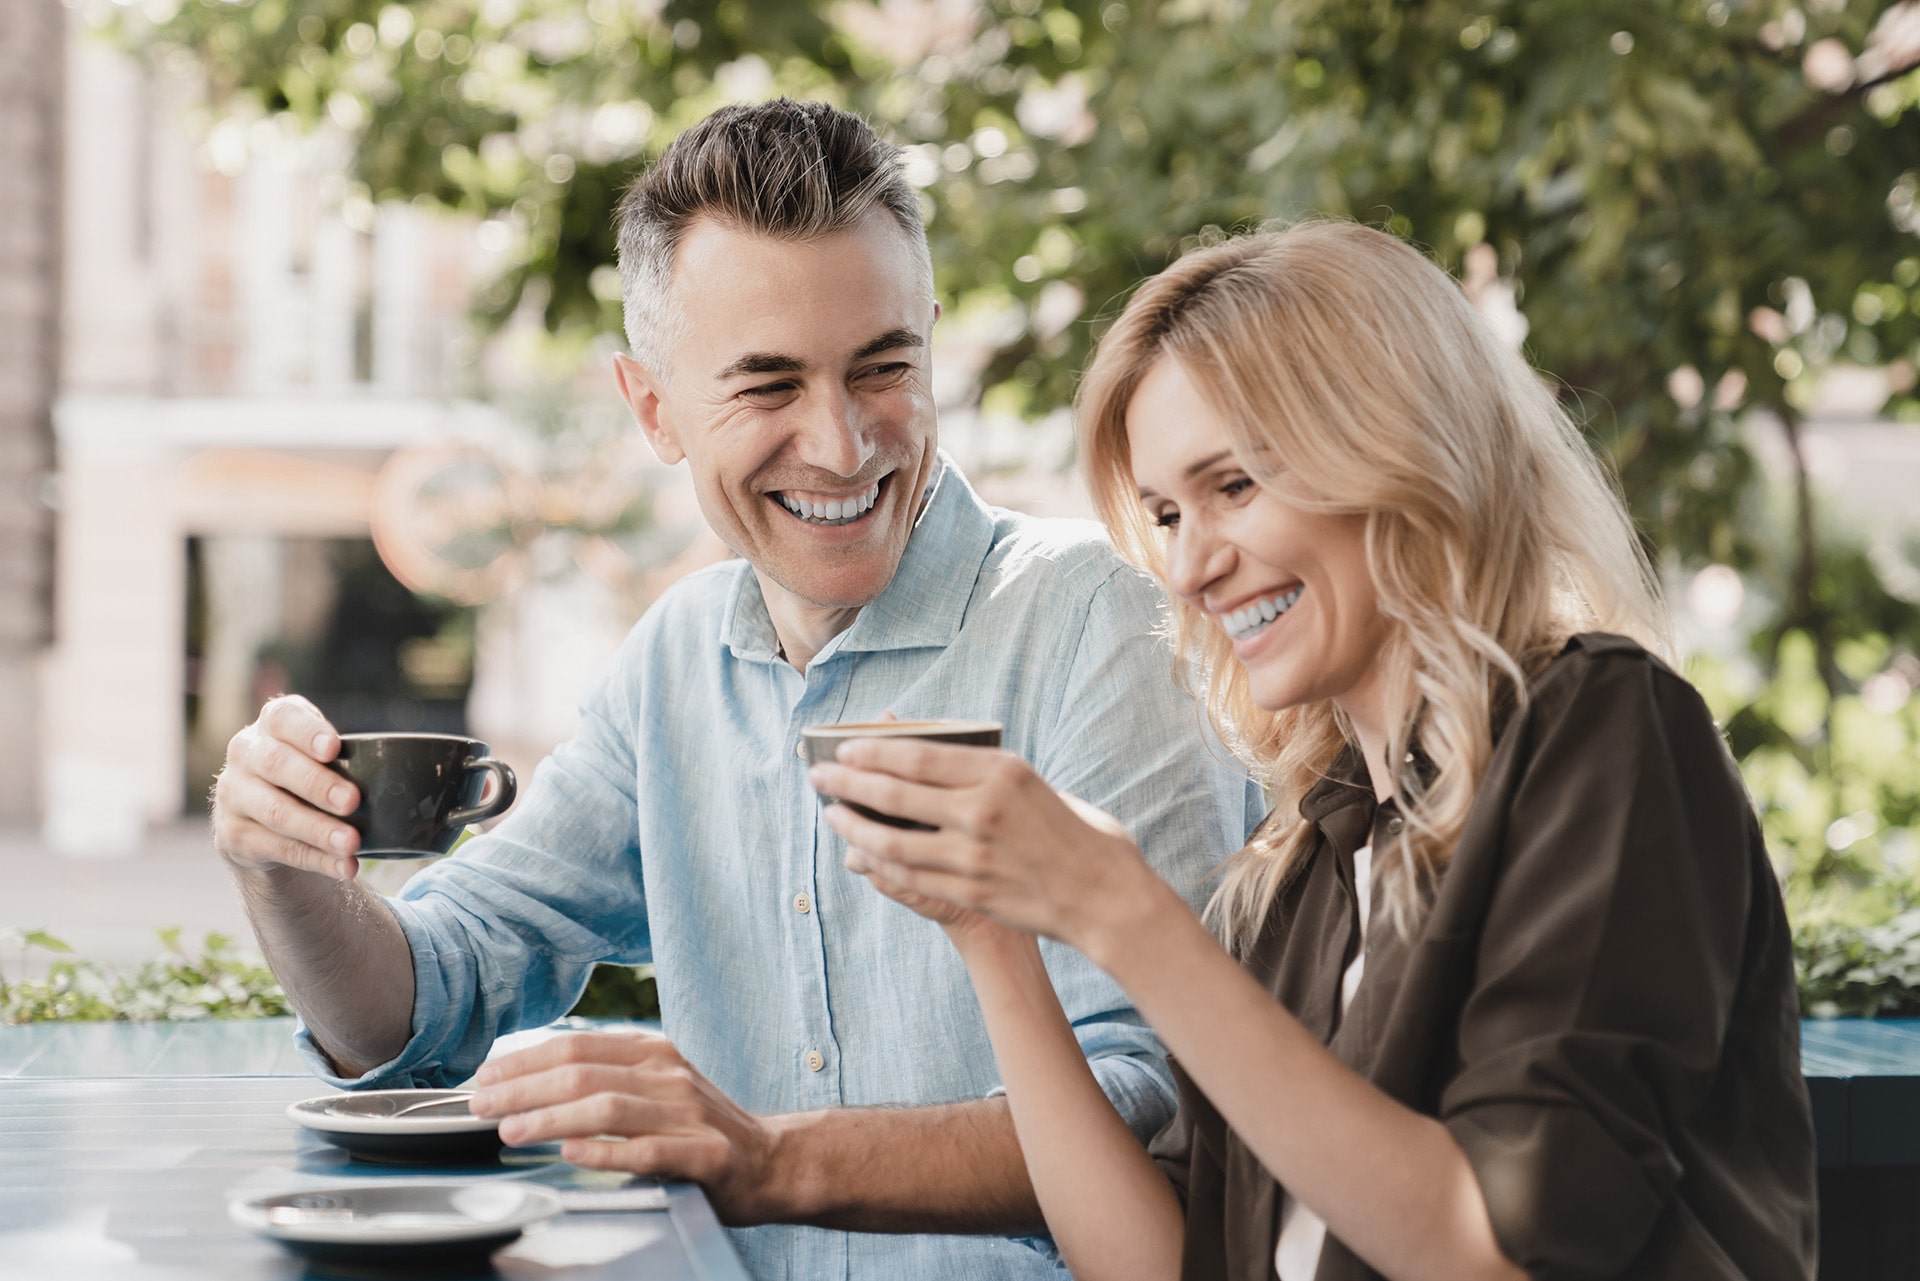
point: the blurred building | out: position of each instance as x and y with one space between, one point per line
30 105
242 345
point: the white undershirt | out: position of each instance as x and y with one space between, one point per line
1302 1232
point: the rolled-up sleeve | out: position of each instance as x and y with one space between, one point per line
505 932
1606 971
1128 741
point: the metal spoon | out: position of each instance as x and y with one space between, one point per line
459 1100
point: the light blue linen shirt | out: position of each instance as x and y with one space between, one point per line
678 827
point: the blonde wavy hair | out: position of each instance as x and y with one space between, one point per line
1492 532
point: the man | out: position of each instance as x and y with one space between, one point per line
824 1062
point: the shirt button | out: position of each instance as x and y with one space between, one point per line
1394 825
800 750
815 1060
802 904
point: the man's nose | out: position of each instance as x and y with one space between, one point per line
833 438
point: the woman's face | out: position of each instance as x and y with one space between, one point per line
1289 587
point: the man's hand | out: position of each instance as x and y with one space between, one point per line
276 802
630 1101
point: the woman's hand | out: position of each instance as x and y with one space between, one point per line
1007 845
957 921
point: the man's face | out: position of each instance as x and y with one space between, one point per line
798 390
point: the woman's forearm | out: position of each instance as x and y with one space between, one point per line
1390 1183
1111 1211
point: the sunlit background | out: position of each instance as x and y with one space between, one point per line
306 309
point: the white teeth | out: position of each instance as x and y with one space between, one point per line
837 511
1252 619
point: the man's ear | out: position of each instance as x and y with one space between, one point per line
641 390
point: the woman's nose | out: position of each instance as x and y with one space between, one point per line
1196 557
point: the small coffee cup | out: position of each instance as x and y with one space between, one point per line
418 792
823 744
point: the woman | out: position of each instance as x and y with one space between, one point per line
1503 986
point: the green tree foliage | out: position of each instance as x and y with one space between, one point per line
1701 205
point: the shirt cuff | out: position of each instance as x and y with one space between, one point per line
420 1062
1139 1090
1563 1198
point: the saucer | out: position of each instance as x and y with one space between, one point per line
364 1123
411 1227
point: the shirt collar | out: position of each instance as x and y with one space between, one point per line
924 605
1343 785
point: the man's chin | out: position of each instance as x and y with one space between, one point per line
846 589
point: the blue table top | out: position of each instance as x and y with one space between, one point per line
1859 1047
121 1144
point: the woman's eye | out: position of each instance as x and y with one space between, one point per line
1236 487
1167 519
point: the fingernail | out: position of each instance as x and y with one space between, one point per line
480 1103
343 868
342 842
322 744
340 796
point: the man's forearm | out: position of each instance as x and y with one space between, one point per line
951 1168
342 958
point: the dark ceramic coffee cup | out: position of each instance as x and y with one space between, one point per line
418 792
823 742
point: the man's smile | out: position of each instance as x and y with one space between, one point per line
819 508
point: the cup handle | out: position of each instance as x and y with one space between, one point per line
503 792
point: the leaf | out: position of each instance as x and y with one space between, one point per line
44 941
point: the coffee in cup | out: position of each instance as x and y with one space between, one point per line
418 792
823 743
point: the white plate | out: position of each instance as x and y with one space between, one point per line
366 1124
372 1112
368 1218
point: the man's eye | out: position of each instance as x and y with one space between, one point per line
887 372
769 390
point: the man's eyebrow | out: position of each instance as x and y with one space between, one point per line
763 362
1193 469
770 362
892 340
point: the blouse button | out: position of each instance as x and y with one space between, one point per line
815 1060
802 904
1394 825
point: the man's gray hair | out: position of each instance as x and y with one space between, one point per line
785 169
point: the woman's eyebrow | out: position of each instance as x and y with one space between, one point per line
1193 469
1205 464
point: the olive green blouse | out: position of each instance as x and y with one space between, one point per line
1599 1004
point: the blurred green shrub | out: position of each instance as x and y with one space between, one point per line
619 992
215 984
219 983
